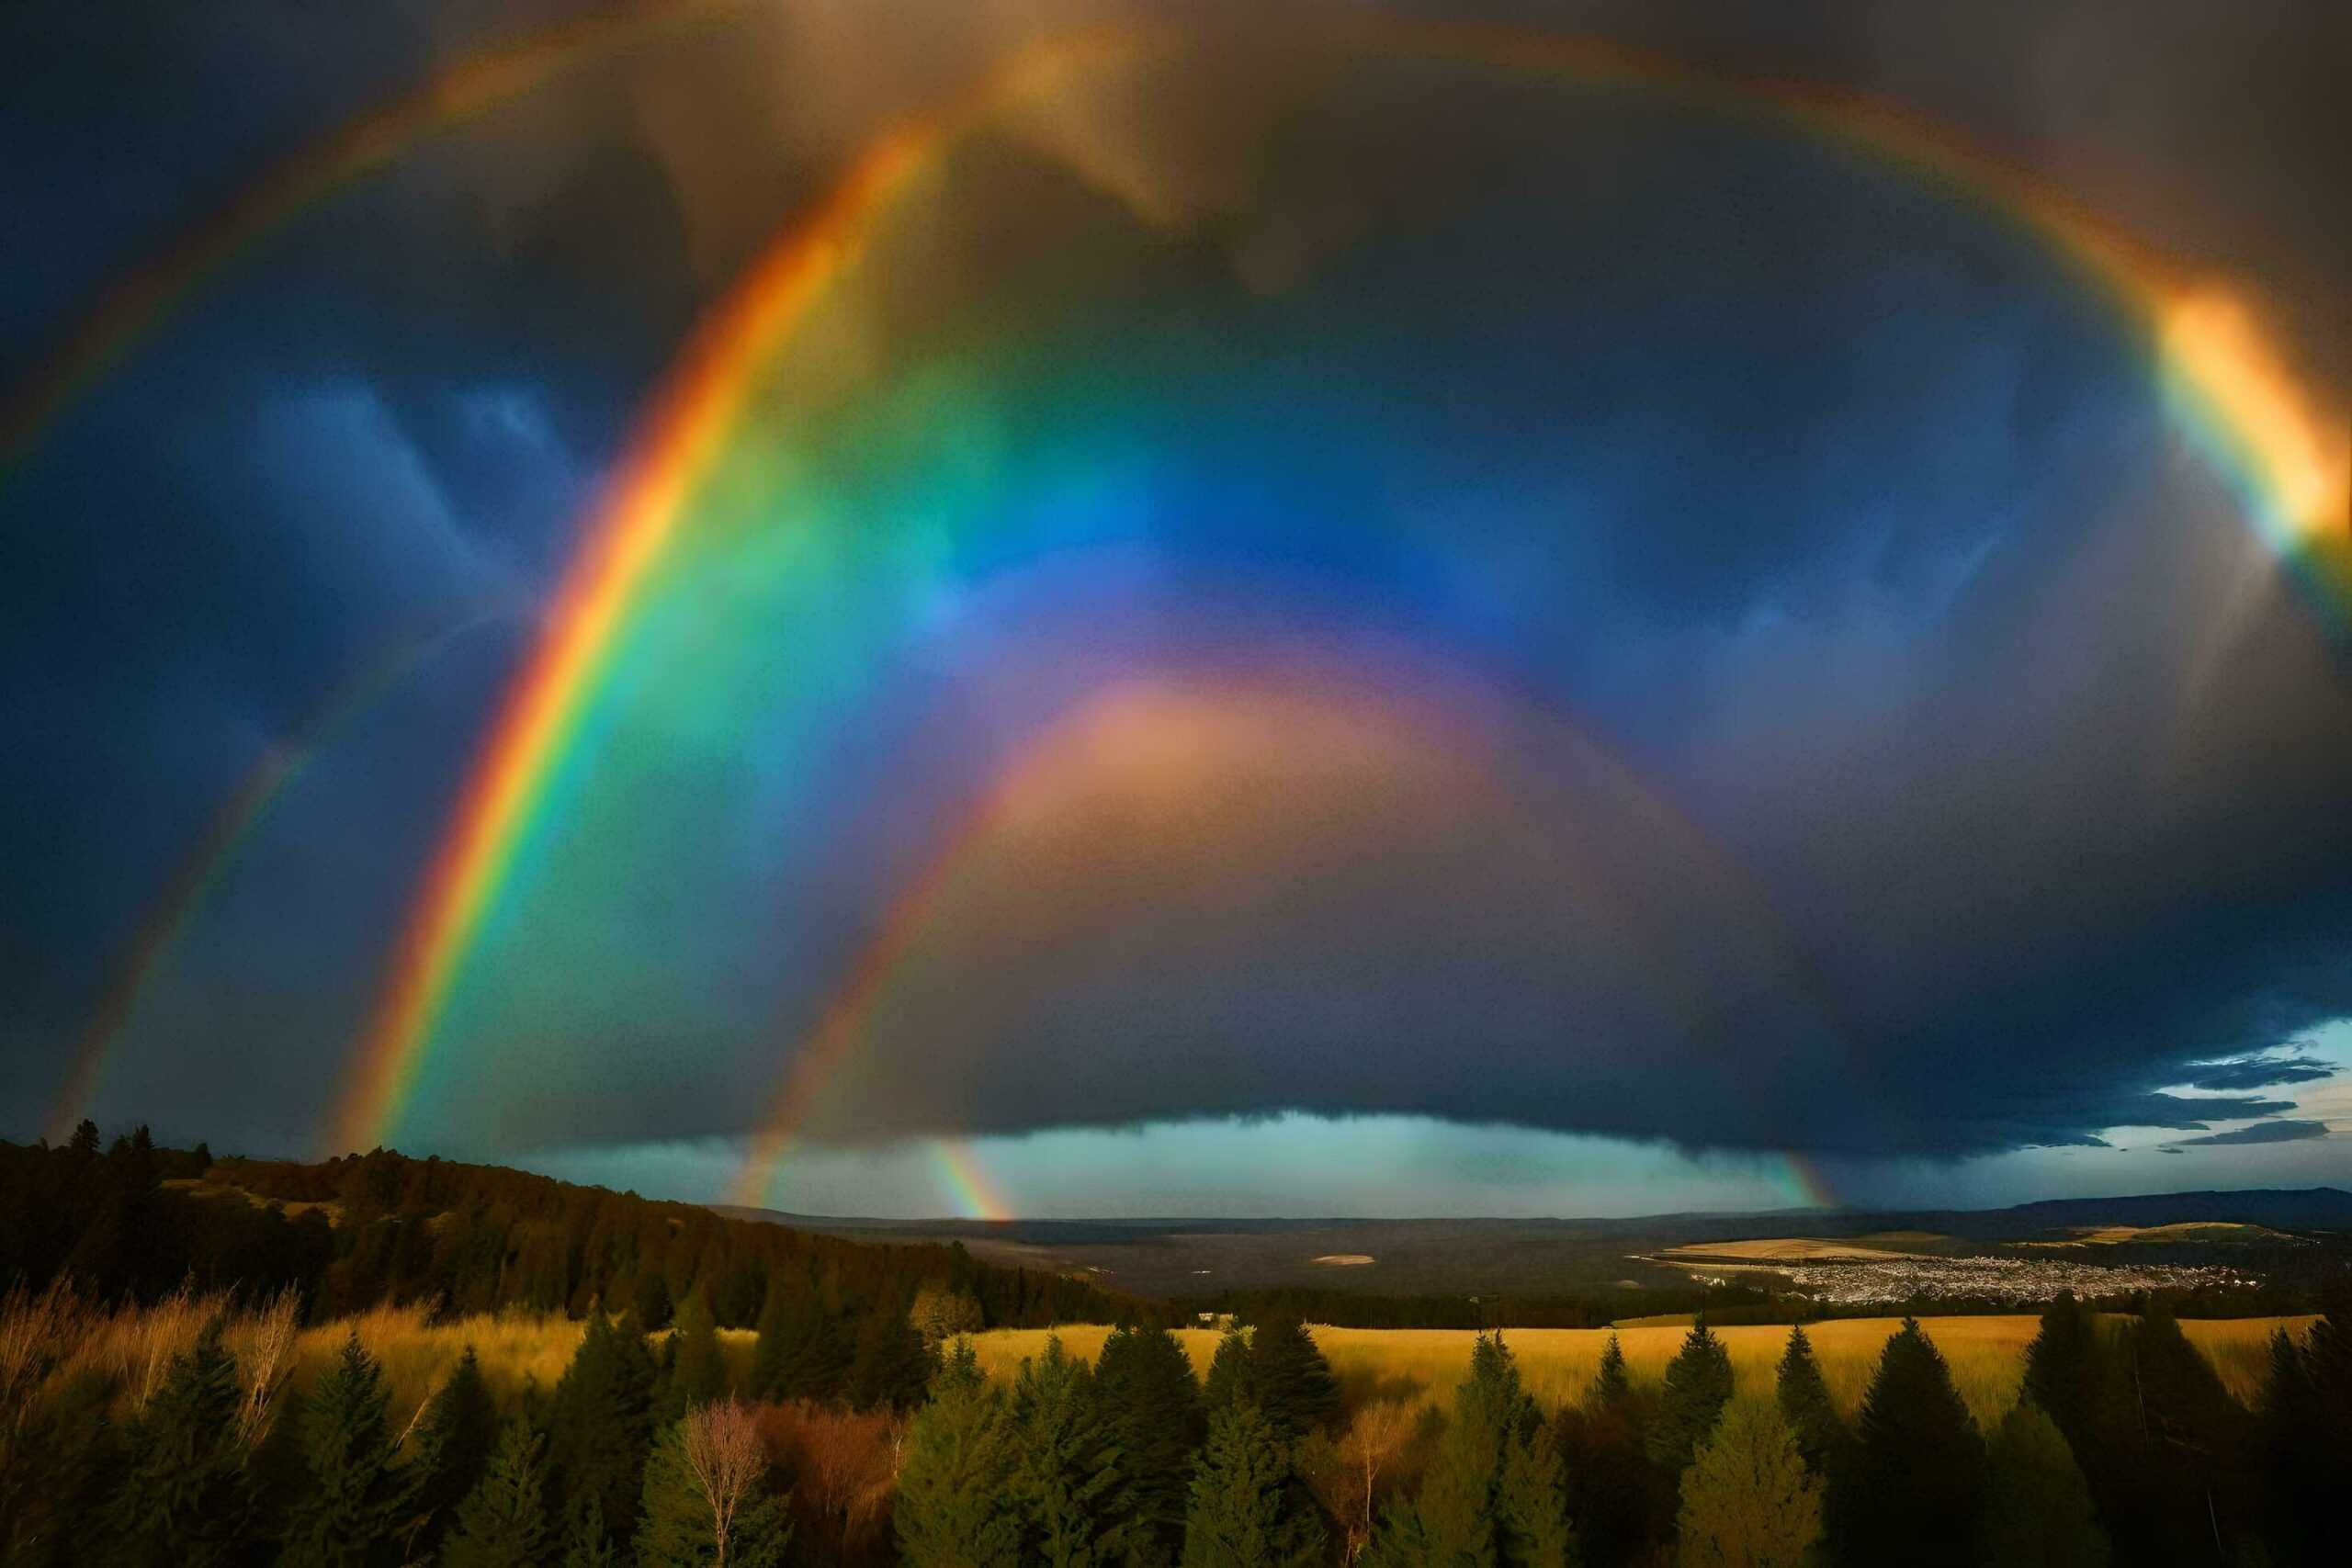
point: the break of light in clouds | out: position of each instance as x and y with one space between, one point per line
1406 610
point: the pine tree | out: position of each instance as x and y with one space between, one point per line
1531 1501
953 1510
1494 1491
2072 1376
359 1503
599 1424
586 1542
1748 1501
2038 1510
1619 1500
1804 1402
697 1370
502 1522
1612 1384
1289 1381
1915 1487
2193 1437
1247 1507
1066 1481
454 1438
2296 1484
186 1498
706 1495
890 1365
1228 1381
803 1353
1698 1386
1151 1406
650 1302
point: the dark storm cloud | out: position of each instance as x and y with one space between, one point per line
2256 1072
2036 866
2260 1132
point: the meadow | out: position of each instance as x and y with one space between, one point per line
1986 1354
519 1352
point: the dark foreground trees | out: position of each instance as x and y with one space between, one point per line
202 1452
1913 1487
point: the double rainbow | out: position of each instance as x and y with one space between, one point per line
2227 390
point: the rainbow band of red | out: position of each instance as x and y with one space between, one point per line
2228 390
689 427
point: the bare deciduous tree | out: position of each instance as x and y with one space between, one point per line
728 1458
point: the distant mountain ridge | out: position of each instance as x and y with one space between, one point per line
2307 1208
1178 1256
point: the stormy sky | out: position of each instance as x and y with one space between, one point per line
1415 637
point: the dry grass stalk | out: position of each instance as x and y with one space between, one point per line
39 1330
264 1340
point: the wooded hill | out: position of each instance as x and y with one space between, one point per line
136 1220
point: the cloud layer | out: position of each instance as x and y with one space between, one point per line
1552 610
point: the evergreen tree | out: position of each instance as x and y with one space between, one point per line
1247 1507
359 1503
2298 1485
1698 1386
1531 1501
586 1542
697 1369
890 1364
2072 1376
803 1352
502 1522
454 1438
1151 1406
650 1301
1612 1384
1619 1500
1915 1487
1804 1402
2038 1510
953 1510
706 1495
186 1498
599 1424
1228 1381
1289 1381
1494 1491
1065 1480
2193 1437
1748 1501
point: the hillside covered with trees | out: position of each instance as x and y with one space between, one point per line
134 1220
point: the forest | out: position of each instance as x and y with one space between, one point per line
840 1414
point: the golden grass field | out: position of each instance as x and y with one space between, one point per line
1987 1354
520 1351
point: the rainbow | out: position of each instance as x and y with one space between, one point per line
241 814
1172 731
2228 390
687 427
975 1192
471 87
1806 1174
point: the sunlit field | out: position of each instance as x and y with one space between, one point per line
1986 1354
